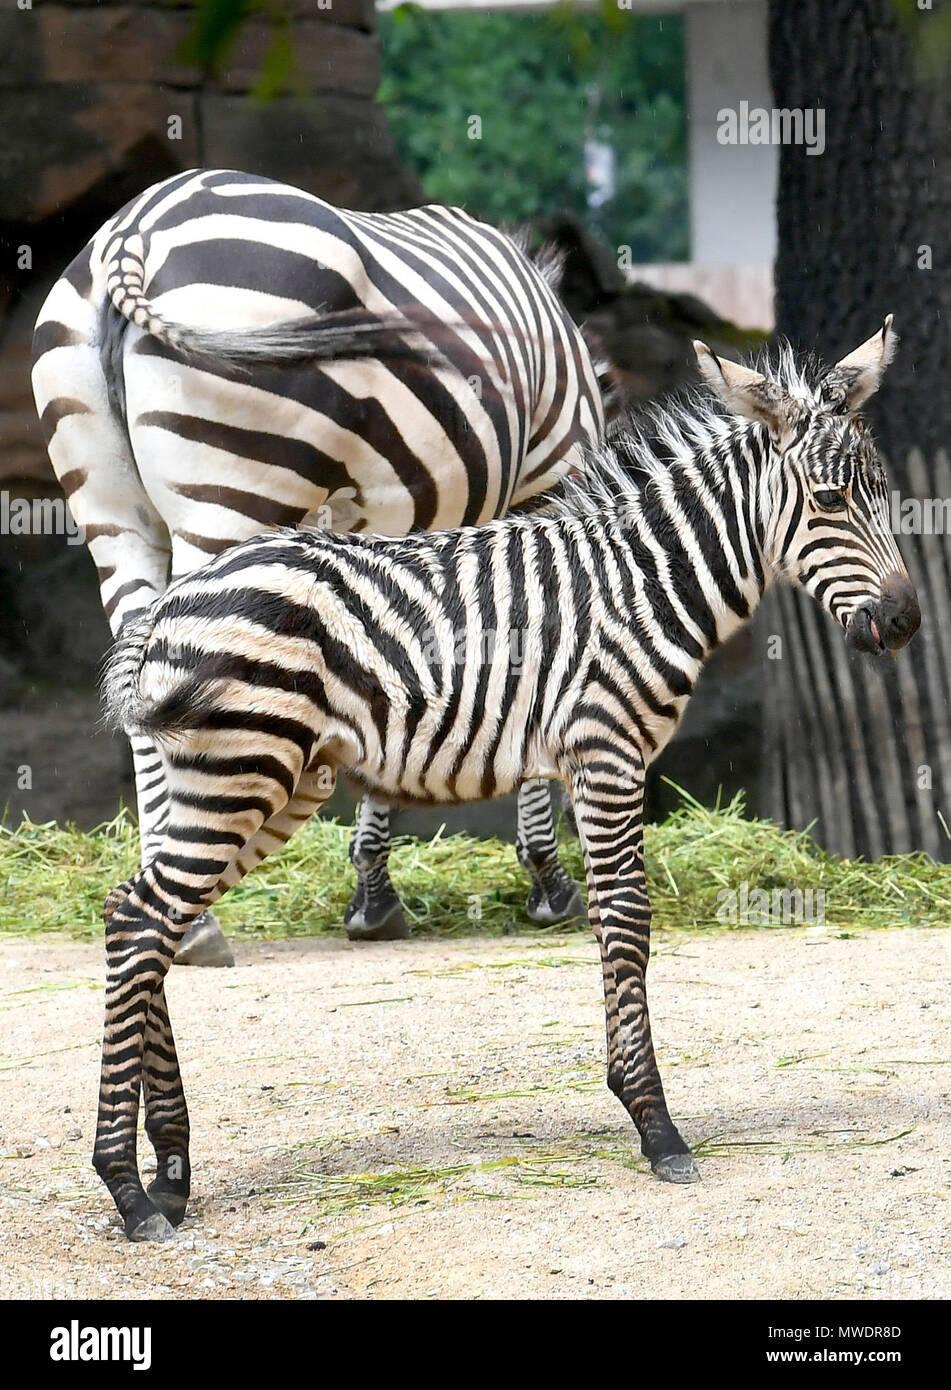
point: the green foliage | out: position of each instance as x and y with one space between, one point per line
56 878
540 83
214 29
929 37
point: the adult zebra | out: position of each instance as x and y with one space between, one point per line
351 643
229 353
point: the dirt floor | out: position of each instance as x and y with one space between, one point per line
428 1119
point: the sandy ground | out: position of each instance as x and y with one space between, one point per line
470 1072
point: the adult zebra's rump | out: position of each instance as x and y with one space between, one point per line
230 354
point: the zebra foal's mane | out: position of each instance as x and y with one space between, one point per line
643 444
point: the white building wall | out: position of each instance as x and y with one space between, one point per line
732 187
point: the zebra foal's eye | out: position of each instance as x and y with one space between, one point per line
830 501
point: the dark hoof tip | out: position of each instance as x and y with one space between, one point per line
546 913
171 1205
392 927
203 944
154 1227
676 1168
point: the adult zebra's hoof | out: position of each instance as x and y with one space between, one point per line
204 944
555 901
154 1227
376 921
676 1168
171 1205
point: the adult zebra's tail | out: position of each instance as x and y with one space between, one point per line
346 333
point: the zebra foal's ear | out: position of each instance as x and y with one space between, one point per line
853 379
744 391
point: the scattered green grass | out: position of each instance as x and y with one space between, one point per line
698 852
55 878
576 1162
816 1141
329 1193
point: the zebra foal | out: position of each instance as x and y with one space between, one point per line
394 662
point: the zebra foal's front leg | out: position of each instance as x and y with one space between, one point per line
608 798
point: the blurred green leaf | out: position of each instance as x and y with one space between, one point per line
215 26
279 74
929 36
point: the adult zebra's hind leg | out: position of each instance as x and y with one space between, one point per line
375 912
608 798
554 897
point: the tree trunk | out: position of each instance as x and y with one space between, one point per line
861 747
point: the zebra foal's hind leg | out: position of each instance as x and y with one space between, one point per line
166 1114
554 897
375 912
203 942
145 920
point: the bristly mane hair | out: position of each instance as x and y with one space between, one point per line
799 374
645 442
548 259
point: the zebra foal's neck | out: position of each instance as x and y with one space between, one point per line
688 498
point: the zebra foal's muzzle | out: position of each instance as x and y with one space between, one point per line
890 623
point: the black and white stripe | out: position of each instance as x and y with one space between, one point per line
453 666
230 354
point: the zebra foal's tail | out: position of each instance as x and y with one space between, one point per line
124 707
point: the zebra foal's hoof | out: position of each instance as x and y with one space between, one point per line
204 944
676 1168
154 1227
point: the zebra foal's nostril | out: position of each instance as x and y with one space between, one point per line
900 612
898 593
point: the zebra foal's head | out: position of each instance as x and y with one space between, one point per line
823 492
